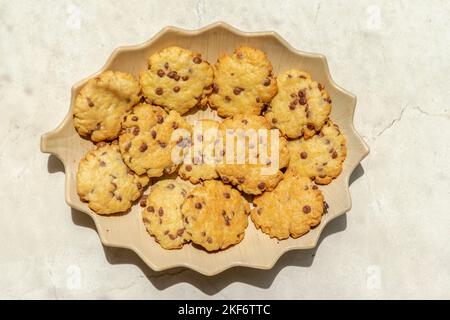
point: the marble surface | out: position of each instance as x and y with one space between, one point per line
392 55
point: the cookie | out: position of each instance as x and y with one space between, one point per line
301 105
243 82
291 209
148 139
260 175
176 79
105 182
200 162
162 215
215 215
320 157
102 103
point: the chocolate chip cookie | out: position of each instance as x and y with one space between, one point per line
291 209
176 79
243 82
162 216
263 172
320 157
102 103
301 105
215 215
105 182
150 138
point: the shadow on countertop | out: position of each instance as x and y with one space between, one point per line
214 284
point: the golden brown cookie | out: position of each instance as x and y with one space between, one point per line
301 105
105 182
215 215
148 139
292 208
243 82
200 162
320 157
162 216
252 177
102 103
177 79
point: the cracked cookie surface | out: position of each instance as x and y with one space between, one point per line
162 216
243 82
148 139
177 79
252 177
321 157
105 182
301 105
291 209
215 215
101 104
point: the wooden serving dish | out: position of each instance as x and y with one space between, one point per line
257 250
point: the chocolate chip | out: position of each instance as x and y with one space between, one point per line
302 77
153 133
197 60
227 99
306 188
239 55
292 106
172 237
119 198
160 119
203 233
180 232
159 91
174 125
171 74
266 82
98 127
136 130
102 163
127 146
237 90
258 99
209 240
293 95
139 185
306 209
188 168
227 195
162 144
143 147
166 65
176 89
302 100
161 212
320 86
289 76
314 187
198 205
334 155
134 118
90 103
302 93
185 78
160 73
310 126
259 211
215 88
261 186
241 180
227 220
274 120
244 121
150 209
166 232
303 155
176 77
143 201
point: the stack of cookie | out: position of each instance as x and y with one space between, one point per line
142 131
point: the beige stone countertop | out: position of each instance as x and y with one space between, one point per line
392 244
